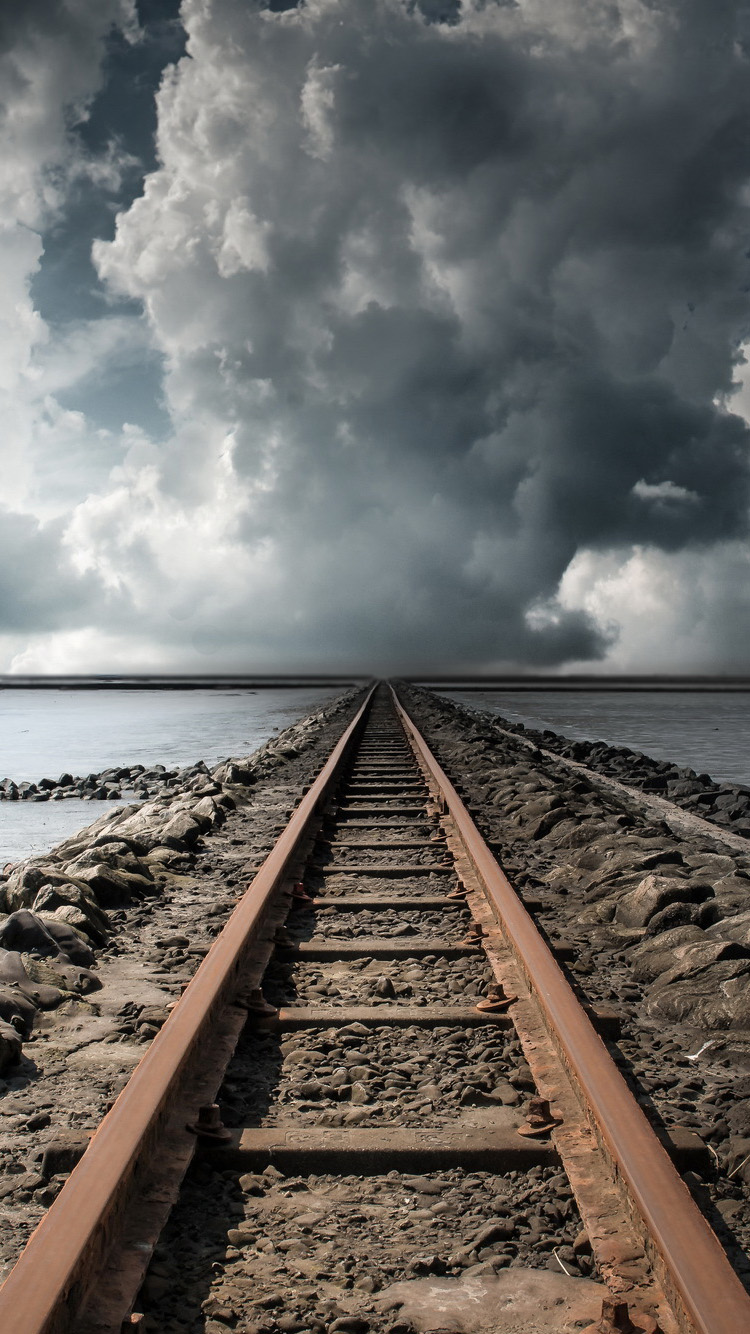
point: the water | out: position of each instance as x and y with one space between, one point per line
705 730
44 733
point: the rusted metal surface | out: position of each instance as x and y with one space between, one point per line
705 1291
47 1289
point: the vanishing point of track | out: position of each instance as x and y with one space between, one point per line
381 792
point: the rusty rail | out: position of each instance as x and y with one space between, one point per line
48 1287
695 1267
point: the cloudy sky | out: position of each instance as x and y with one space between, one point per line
387 335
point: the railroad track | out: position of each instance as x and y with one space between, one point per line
422 1046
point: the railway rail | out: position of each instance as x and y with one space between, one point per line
382 882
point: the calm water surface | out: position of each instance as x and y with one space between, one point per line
43 733
708 731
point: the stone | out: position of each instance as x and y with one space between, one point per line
674 915
17 1009
63 1152
499 1229
24 932
112 888
707 986
65 976
654 893
732 893
656 954
10 1046
87 915
24 882
182 830
66 925
234 773
207 809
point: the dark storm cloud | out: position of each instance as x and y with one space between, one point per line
465 285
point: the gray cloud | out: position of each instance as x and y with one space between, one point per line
450 298
40 589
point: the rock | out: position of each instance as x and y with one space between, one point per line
183 830
65 976
654 893
112 888
546 823
10 1046
732 928
706 986
17 1009
63 926
87 915
207 809
63 1152
24 882
738 1158
655 956
384 987
674 915
234 773
11 967
732 893
24 932
499 1229
112 852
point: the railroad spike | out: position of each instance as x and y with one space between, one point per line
540 1119
256 1004
209 1128
496 1000
474 934
300 894
459 893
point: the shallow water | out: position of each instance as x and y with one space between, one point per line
708 731
44 733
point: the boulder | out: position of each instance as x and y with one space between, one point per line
80 897
111 887
11 967
654 893
64 927
117 842
58 973
10 1046
708 986
206 809
112 853
17 1008
12 971
183 830
732 928
546 823
732 893
25 933
654 956
23 883
235 773
674 915
143 826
